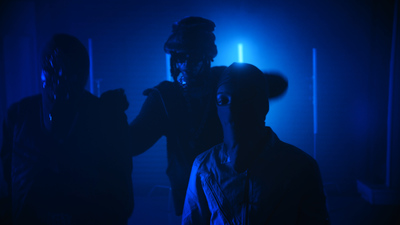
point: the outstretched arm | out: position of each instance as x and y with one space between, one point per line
149 125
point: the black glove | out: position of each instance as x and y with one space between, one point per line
115 100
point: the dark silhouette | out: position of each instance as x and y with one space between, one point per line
252 177
183 110
64 151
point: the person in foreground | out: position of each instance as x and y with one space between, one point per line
252 177
64 151
183 110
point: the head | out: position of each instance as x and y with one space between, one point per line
242 99
65 68
192 49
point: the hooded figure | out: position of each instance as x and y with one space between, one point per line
252 177
64 151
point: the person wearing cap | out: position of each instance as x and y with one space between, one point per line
252 177
184 110
64 151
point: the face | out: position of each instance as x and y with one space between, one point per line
232 108
191 69
238 112
59 85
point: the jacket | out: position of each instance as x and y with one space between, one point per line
83 179
283 186
188 131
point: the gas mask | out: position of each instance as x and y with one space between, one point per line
193 70
192 49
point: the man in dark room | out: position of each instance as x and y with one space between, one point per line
252 177
64 151
184 110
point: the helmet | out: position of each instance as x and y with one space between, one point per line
192 35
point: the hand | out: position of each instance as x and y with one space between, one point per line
115 99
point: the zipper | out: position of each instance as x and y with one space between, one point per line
208 178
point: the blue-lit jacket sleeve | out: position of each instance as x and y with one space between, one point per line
312 208
195 209
6 158
149 125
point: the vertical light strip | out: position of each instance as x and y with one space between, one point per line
90 65
390 99
168 67
314 78
240 52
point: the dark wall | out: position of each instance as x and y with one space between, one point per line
352 39
18 62
378 84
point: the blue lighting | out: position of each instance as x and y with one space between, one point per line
168 67
240 52
90 51
314 79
